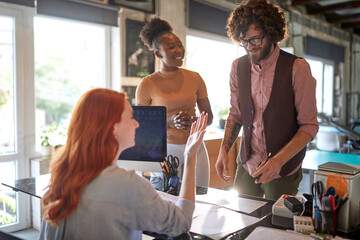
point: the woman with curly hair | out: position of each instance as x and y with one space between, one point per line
178 89
273 98
90 197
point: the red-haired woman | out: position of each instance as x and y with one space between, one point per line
90 197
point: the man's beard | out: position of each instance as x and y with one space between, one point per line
263 54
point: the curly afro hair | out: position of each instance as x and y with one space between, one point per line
151 32
267 16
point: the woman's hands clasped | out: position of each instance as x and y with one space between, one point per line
180 120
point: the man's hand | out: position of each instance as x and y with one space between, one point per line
272 167
222 166
267 171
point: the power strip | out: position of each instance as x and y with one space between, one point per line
302 223
280 209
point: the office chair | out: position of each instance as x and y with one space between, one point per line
356 127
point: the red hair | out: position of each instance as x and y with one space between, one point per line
91 147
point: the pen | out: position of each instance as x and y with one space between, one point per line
267 159
333 209
166 166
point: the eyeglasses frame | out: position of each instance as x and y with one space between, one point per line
249 41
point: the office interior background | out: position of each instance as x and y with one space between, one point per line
52 51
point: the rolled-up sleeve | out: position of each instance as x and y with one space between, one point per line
234 111
304 85
154 214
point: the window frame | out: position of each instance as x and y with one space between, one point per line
22 101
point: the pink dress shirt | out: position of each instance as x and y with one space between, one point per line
262 77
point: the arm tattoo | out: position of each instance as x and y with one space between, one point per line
232 130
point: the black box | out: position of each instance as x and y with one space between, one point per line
293 204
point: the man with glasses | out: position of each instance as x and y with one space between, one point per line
273 99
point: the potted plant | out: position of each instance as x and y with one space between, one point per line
223 113
51 137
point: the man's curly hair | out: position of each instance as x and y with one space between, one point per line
267 16
151 32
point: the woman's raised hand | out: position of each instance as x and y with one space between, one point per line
196 135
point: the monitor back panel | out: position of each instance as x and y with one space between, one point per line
150 137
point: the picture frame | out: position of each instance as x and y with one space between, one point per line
106 2
140 61
99 1
147 6
91 2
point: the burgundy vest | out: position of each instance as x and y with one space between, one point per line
280 115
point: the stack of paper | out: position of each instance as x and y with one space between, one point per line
213 220
217 222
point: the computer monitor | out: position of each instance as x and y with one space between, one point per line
150 141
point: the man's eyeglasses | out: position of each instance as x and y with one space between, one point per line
254 42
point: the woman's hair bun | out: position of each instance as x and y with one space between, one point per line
153 29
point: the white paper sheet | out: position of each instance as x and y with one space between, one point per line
217 222
277 234
213 220
229 200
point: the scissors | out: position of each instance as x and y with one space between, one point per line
330 191
317 189
173 163
317 192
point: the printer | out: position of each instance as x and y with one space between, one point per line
349 214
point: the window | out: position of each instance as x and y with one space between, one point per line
12 157
323 72
7 85
70 59
212 59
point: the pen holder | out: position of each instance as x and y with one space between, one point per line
328 222
166 184
173 186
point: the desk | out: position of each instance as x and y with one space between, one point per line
212 139
314 158
34 186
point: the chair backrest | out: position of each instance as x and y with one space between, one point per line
356 126
8 236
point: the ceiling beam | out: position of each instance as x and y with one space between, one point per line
302 2
351 25
334 7
343 18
